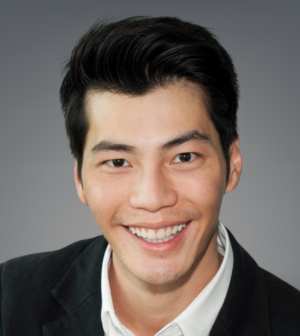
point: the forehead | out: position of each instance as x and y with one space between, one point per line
151 118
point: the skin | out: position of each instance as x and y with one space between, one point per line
153 188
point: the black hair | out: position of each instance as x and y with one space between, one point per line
139 54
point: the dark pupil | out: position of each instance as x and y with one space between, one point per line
118 162
184 157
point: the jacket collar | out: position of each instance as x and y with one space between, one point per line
245 309
79 294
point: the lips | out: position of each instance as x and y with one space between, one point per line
158 236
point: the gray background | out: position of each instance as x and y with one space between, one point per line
39 208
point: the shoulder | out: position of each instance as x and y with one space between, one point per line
257 295
36 274
41 264
283 305
27 283
37 264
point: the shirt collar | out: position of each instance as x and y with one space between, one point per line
108 315
198 318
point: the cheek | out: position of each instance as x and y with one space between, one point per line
105 195
202 189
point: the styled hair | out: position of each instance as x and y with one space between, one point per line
139 54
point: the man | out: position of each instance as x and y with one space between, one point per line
150 107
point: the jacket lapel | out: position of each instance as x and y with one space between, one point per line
79 294
245 310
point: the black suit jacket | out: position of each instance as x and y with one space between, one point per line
58 293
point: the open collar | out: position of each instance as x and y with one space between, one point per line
244 312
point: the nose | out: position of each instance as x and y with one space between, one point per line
153 190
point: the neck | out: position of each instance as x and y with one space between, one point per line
146 308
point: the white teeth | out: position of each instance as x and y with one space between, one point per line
151 234
138 232
174 230
168 231
159 236
144 233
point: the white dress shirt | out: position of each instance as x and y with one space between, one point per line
198 318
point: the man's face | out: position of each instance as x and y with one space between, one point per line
153 166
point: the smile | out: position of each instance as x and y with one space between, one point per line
158 236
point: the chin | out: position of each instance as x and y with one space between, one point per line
161 275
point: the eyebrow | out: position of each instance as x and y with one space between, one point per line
105 145
192 135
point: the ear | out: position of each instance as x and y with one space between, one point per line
79 185
235 166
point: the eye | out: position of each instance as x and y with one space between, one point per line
118 163
185 157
